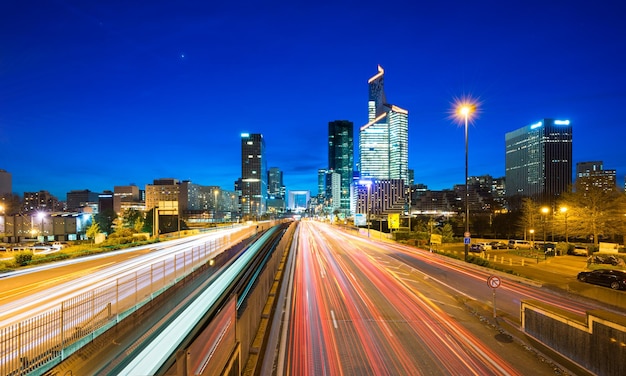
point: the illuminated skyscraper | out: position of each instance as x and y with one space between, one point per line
341 157
384 140
253 174
539 160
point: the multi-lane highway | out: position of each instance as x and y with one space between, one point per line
372 308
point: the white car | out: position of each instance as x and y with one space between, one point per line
486 246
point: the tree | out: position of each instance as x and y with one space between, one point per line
105 220
92 230
593 210
133 219
447 233
529 215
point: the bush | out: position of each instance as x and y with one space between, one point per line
23 258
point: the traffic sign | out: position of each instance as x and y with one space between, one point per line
493 282
467 240
466 234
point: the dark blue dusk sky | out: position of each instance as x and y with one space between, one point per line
95 94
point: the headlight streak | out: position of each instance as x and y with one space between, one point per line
150 359
371 340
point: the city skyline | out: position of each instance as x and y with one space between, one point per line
93 96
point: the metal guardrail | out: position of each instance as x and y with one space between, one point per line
48 338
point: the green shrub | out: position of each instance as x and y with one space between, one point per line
478 260
23 258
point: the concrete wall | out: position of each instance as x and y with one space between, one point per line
596 341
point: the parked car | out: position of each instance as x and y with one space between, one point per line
579 250
498 245
476 247
486 246
520 244
3 248
614 279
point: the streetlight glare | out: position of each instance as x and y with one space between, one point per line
464 109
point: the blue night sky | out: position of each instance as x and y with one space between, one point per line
95 94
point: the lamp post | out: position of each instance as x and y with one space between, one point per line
41 216
544 210
464 110
564 211
215 192
532 237
368 183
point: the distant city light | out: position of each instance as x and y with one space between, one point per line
561 122
245 135
537 125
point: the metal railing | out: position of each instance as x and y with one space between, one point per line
50 337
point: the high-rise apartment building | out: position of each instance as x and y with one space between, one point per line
539 160
384 140
341 157
253 174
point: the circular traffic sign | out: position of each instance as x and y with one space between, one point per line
493 282
466 234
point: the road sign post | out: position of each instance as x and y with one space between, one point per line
494 282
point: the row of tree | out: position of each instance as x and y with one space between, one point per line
590 211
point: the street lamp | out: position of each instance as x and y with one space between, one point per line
215 206
368 183
532 237
464 109
564 211
544 210
41 216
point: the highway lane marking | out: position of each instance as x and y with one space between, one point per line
332 313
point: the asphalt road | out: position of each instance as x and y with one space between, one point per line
362 308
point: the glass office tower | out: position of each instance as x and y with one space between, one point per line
341 156
539 160
253 174
384 140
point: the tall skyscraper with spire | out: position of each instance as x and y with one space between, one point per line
384 140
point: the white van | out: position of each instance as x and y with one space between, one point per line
520 244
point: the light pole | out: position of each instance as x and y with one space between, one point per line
215 192
564 211
532 237
367 183
41 216
465 108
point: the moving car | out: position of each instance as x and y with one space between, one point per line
615 279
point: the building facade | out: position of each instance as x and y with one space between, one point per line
341 157
383 141
594 173
275 186
253 175
538 162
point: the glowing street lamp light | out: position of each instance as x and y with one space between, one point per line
464 110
